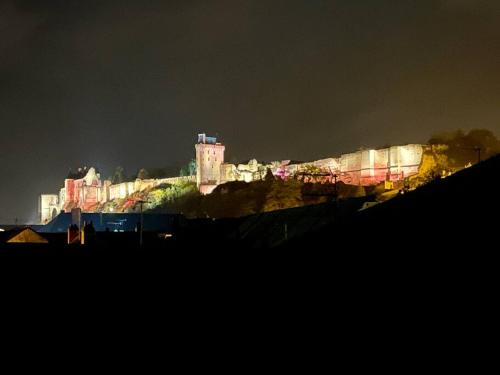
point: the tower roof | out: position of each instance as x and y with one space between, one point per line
203 138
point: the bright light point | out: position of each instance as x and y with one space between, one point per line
2 230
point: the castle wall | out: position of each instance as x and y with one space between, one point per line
381 159
368 167
104 196
410 158
69 188
228 173
125 189
350 166
89 197
48 207
364 167
62 198
394 164
121 191
367 171
330 164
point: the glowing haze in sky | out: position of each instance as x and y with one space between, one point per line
132 83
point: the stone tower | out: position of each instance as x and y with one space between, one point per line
209 158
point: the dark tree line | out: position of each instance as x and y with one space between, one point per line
464 148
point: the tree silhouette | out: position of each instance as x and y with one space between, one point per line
463 148
119 175
143 174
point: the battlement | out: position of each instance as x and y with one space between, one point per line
84 189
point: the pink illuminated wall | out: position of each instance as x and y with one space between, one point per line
83 193
375 166
366 167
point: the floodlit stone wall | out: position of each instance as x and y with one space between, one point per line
369 167
84 192
330 164
48 207
365 167
77 194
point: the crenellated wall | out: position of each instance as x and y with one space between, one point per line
125 189
88 192
366 167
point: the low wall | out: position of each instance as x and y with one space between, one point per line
125 189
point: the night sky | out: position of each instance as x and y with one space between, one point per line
131 83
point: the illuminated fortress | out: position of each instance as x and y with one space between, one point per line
85 189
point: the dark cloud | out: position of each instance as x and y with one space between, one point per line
131 83
474 6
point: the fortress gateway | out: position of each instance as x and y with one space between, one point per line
85 189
